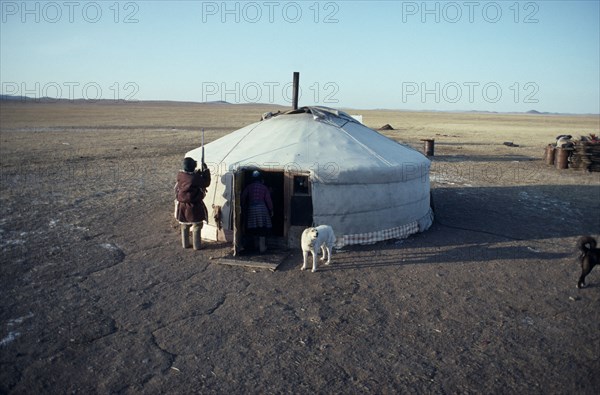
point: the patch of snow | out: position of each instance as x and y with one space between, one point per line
9 338
109 246
18 320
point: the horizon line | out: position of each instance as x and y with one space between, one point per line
46 99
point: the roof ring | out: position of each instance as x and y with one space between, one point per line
301 110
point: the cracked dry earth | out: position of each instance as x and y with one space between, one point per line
99 297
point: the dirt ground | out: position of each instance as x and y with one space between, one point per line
99 297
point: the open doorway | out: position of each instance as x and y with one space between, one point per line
291 194
274 181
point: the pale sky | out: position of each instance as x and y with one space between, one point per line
441 55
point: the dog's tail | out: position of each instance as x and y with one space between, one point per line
585 244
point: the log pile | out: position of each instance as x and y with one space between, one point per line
586 154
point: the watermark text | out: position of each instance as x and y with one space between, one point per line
69 11
71 90
469 12
270 12
268 92
468 92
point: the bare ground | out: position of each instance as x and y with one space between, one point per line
99 297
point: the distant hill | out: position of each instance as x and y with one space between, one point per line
12 98
216 102
536 112
43 99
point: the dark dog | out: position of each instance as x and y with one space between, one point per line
590 257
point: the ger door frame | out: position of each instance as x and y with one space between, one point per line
276 181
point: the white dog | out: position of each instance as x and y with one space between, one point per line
313 239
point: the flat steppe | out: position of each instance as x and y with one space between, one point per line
97 295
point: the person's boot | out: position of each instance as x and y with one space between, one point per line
262 244
185 236
196 237
256 243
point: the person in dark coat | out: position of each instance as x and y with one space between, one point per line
258 206
190 210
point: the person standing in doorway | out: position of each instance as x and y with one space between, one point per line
258 206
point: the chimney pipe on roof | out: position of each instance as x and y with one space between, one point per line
296 90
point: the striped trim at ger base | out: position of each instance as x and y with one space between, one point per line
400 232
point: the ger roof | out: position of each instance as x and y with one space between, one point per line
316 139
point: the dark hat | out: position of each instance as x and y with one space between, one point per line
189 165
